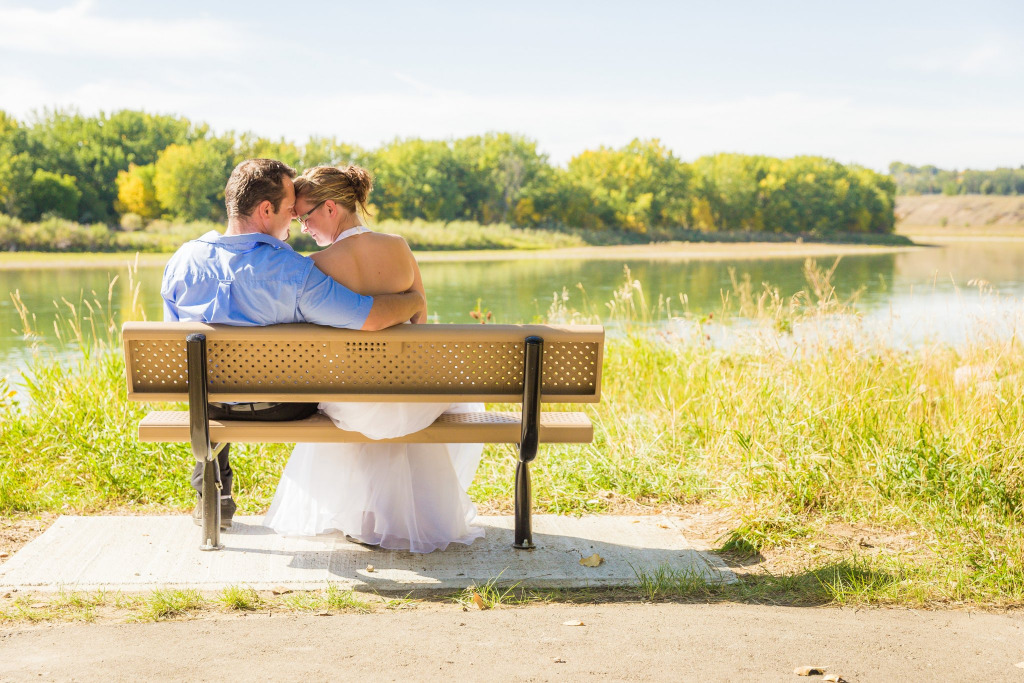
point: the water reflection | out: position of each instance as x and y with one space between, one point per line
919 294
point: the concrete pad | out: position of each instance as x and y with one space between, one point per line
146 552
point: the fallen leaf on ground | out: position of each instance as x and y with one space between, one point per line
663 526
558 660
280 590
38 605
592 561
369 568
7 595
834 678
323 613
478 600
809 670
572 623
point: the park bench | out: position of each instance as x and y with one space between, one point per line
527 364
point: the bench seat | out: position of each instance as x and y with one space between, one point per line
476 427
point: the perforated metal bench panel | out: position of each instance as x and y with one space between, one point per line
404 363
481 427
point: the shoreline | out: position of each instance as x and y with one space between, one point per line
659 251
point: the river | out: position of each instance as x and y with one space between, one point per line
941 292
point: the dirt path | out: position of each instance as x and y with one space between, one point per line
617 641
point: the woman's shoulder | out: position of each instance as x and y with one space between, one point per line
388 237
385 240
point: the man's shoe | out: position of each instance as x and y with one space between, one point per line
227 512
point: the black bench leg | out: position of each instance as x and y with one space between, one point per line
533 365
211 505
199 421
524 531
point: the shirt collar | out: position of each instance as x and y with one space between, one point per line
245 239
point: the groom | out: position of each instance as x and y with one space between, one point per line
250 276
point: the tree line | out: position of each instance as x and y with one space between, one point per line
131 168
932 180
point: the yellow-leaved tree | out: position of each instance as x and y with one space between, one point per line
136 192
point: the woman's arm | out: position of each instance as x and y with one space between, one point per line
417 286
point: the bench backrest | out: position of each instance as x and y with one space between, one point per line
303 362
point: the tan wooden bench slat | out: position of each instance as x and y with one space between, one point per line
478 427
415 363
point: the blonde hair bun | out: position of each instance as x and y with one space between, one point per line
348 187
362 182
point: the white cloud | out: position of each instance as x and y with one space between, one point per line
76 30
994 56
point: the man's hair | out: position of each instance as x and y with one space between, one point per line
254 181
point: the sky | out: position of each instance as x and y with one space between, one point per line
864 82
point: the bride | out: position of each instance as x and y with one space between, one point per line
398 496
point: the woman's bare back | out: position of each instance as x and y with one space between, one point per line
373 263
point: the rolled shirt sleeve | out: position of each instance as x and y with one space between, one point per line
325 302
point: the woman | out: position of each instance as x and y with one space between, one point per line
399 496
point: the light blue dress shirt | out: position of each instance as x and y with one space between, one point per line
254 279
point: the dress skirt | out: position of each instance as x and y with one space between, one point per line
398 496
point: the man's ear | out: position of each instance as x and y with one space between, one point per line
266 208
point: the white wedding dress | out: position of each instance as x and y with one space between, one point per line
398 496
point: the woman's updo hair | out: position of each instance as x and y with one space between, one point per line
350 186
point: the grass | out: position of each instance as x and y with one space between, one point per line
853 581
164 604
336 598
792 434
57 235
752 535
240 598
459 235
167 604
494 593
666 581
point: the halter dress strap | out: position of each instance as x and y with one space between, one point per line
359 229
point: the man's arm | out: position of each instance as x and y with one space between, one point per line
393 309
325 302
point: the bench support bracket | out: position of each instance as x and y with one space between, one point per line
533 366
199 421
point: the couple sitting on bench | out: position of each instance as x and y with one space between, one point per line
401 496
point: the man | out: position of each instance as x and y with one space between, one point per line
250 276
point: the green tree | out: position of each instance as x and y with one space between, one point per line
635 188
15 165
727 191
496 170
248 146
189 180
51 194
94 149
417 179
324 151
